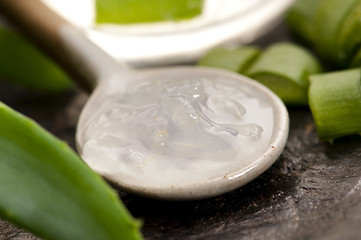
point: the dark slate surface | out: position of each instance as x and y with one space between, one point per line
313 191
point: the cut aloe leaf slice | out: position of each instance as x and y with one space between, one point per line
301 18
349 37
356 61
47 189
236 60
335 102
328 22
24 65
285 68
141 11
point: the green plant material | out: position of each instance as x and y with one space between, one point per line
141 11
356 61
335 102
284 68
349 37
47 189
22 64
301 18
236 60
328 23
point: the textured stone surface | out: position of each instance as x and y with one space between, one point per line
313 191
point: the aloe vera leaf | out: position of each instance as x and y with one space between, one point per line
356 61
349 37
24 65
236 60
140 11
47 189
284 68
335 102
301 19
329 18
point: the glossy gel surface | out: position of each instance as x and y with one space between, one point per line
178 132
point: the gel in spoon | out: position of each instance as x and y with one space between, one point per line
175 133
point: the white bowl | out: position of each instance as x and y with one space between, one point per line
140 45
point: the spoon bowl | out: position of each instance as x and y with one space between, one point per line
179 133
213 161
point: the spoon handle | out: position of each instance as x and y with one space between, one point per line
61 41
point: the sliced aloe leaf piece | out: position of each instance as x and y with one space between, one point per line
335 102
329 19
24 65
141 11
233 59
349 37
356 61
301 19
284 68
47 189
